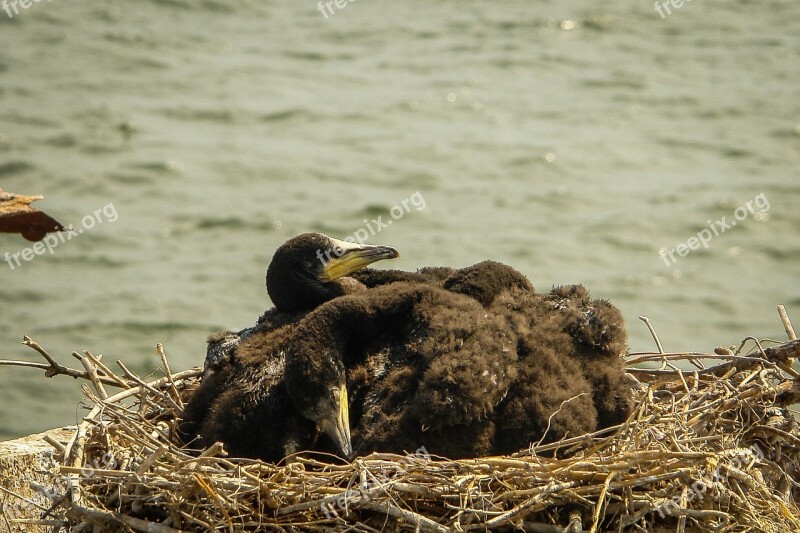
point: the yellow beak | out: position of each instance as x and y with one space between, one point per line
345 258
339 429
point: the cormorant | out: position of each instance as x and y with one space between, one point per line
571 376
466 362
421 365
425 366
246 405
304 272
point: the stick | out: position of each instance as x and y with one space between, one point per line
93 377
523 507
652 332
99 364
220 503
658 342
600 500
27 341
165 362
425 524
142 383
51 368
787 324
94 515
54 443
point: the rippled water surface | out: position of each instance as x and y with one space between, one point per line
571 139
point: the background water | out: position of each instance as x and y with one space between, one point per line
571 139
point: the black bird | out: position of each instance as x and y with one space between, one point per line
426 367
571 375
304 272
483 281
465 362
418 365
246 405
599 339
311 268
569 348
595 328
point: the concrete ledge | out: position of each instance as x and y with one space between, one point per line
25 461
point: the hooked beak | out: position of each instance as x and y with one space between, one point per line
337 426
347 257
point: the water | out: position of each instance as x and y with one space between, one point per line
573 140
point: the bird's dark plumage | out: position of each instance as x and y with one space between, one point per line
247 407
483 281
486 281
465 362
565 376
598 337
553 396
428 367
304 272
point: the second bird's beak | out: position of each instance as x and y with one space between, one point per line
344 258
337 426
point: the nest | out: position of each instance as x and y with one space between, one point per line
713 448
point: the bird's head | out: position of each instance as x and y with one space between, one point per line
307 270
317 387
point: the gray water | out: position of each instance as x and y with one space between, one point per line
573 140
